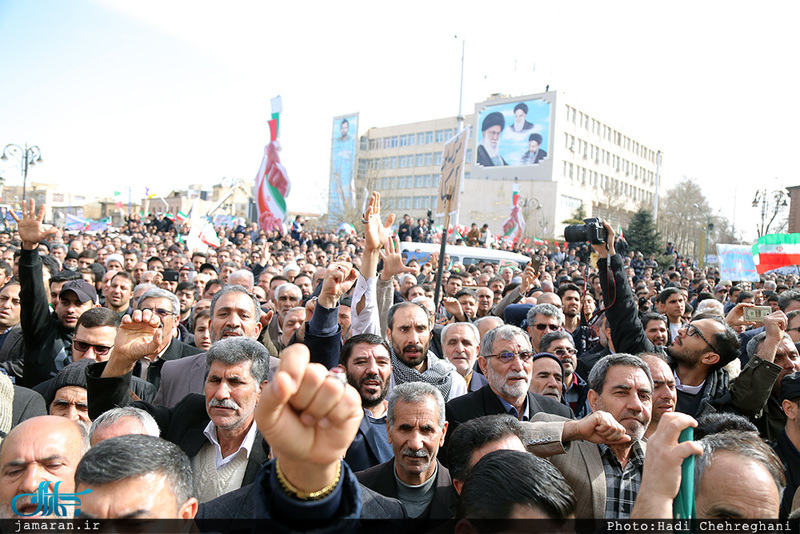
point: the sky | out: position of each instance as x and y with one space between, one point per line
167 93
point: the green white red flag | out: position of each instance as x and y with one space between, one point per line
773 251
272 182
514 225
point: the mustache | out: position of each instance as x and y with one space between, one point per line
371 377
416 347
224 403
231 329
516 374
415 454
635 415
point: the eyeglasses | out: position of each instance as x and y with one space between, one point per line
161 312
542 327
692 330
82 346
564 352
506 357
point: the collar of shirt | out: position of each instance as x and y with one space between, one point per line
691 390
513 411
635 458
247 443
385 412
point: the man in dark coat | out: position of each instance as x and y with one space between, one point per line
216 427
416 432
506 361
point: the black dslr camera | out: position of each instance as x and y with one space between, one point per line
593 231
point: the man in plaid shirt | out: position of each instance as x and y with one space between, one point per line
602 455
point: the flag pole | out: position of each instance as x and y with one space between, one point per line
440 268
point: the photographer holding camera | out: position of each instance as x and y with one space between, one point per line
698 354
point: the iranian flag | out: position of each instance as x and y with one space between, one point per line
272 182
514 225
776 250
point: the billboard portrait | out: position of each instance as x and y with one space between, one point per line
343 160
513 134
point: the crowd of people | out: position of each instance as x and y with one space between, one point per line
312 377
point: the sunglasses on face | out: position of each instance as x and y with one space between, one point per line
82 346
542 327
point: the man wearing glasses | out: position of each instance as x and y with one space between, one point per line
168 308
505 359
93 340
543 319
561 345
697 354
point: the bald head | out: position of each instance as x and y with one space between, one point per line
44 448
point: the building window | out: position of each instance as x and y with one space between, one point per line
440 136
429 158
469 154
437 160
421 138
385 163
394 162
418 180
401 162
426 181
428 137
420 160
571 203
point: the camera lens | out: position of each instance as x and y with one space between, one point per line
576 233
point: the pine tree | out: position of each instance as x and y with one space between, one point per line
578 216
641 233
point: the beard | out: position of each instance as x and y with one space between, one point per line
412 354
499 383
491 150
369 400
679 355
635 423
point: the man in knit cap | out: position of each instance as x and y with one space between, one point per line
66 395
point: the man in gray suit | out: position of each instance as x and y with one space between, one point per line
602 455
234 312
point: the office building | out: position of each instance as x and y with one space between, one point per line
561 156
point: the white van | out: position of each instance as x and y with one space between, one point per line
464 255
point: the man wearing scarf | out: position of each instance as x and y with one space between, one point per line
409 334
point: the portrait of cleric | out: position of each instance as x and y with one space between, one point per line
514 133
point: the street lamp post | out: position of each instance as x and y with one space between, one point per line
708 227
27 156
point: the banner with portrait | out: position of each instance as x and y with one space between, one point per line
513 133
343 161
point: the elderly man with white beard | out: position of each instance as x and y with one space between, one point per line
506 361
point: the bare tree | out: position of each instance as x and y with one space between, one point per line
680 221
609 204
